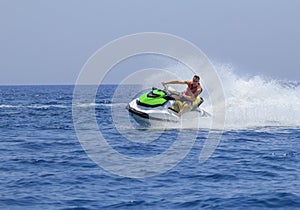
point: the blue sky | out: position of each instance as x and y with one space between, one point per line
48 42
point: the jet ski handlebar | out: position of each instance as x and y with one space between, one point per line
171 90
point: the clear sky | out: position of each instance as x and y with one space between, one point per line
48 42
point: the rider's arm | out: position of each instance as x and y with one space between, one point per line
174 82
199 90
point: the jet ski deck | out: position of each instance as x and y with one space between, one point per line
158 113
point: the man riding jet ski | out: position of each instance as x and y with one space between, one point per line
167 104
189 99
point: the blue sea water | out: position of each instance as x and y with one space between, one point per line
44 166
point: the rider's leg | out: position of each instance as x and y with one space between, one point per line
185 108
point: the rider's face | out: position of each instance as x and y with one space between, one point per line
195 81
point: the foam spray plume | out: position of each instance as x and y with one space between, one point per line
259 102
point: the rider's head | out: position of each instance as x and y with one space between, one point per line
196 79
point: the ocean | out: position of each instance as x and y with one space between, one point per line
44 165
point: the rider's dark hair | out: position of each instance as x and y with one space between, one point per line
197 77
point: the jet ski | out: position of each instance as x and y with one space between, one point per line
159 105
